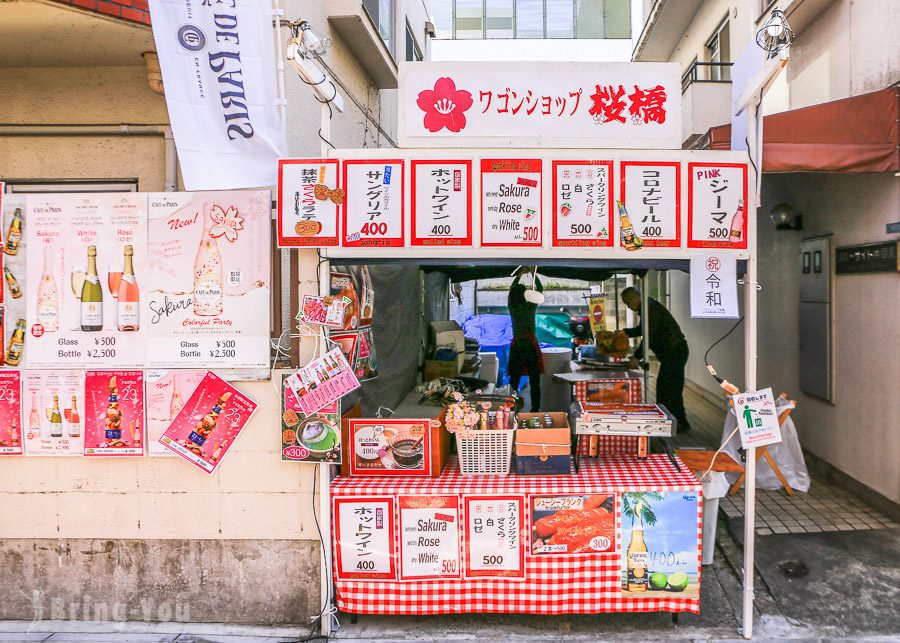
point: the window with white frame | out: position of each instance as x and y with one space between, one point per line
718 50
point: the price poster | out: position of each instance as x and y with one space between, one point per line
583 203
365 539
389 447
308 203
114 413
88 272
651 192
210 283
511 203
373 205
429 537
165 393
573 524
209 423
717 205
441 203
323 381
10 413
494 536
309 438
54 401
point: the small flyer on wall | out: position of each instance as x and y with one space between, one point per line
309 438
660 546
573 524
511 203
389 447
323 381
365 539
324 311
309 200
87 267
366 364
342 288
114 413
52 401
494 536
210 282
165 394
209 423
347 342
10 413
429 537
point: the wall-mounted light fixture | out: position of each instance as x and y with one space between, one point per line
785 217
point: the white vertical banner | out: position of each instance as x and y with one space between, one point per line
714 285
218 67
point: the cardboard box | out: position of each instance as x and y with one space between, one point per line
544 452
450 334
437 368
440 445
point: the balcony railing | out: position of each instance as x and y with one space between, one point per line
706 73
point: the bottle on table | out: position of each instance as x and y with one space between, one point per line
91 295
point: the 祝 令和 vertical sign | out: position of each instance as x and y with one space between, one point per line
441 203
717 205
651 192
309 200
582 203
373 204
511 203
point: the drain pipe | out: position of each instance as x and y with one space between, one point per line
124 129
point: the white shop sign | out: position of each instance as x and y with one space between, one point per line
757 418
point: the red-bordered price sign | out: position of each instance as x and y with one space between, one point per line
494 539
365 548
373 205
441 202
583 203
717 205
308 202
651 192
511 203
429 537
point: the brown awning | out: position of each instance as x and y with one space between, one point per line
858 134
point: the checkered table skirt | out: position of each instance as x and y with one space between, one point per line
553 584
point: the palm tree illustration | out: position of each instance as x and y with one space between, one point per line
639 504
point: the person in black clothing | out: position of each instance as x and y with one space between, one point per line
668 344
524 351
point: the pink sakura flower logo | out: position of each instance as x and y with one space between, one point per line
227 223
444 106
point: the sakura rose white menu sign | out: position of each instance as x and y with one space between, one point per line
582 203
717 205
86 257
651 192
365 539
54 402
208 424
308 202
10 413
441 203
114 413
494 543
166 392
210 279
511 202
429 537
373 205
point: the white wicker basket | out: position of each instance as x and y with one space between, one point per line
486 453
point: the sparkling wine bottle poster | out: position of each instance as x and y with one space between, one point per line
53 404
212 418
10 413
208 305
166 392
114 413
86 269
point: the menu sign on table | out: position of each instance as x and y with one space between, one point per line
365 539
10 413
87 264
429 537
308 202
511 203
114 413
441 203
494 543
373 205
54 401
651 192
573 524
210 284
582 203
717 205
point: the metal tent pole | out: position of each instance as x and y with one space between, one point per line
645 329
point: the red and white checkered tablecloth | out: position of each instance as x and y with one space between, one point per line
553 584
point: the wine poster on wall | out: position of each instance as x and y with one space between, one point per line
210 279
86 263
114 413
166 392
10 413
208 424
54 401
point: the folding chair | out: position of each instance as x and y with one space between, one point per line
762 452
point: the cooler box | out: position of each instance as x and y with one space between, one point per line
544 452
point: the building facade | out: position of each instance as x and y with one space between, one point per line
150 538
